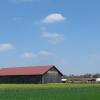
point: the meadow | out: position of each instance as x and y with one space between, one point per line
66 91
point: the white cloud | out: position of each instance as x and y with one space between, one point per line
53 38
17 18
54 17
44 53
6 47
37 54
20 0
29 55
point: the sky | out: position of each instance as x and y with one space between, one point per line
64 33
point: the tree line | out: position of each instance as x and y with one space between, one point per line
82 76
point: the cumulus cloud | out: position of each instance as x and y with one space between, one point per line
37 54
52 37
6 47
54 17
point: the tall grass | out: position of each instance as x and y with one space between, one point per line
50 91
83 93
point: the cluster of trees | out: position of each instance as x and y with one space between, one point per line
91 76
83 76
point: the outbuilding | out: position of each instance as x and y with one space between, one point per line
30 74
98 80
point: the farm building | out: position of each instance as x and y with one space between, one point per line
30 74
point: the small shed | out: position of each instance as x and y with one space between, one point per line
31 74
63 80
98 80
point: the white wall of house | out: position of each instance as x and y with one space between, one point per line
97 79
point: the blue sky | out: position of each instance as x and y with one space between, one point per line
65 33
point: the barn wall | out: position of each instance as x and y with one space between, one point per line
21 79
52 76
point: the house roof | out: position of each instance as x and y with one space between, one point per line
28 70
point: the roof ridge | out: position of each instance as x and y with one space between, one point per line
27 66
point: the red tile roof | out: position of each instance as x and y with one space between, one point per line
29 70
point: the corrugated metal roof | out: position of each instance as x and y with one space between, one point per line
29 70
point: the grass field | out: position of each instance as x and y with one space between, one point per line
50 92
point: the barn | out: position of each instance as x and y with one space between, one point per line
30 74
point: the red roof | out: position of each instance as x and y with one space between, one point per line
29 70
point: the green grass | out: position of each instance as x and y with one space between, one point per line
50 92
56 85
